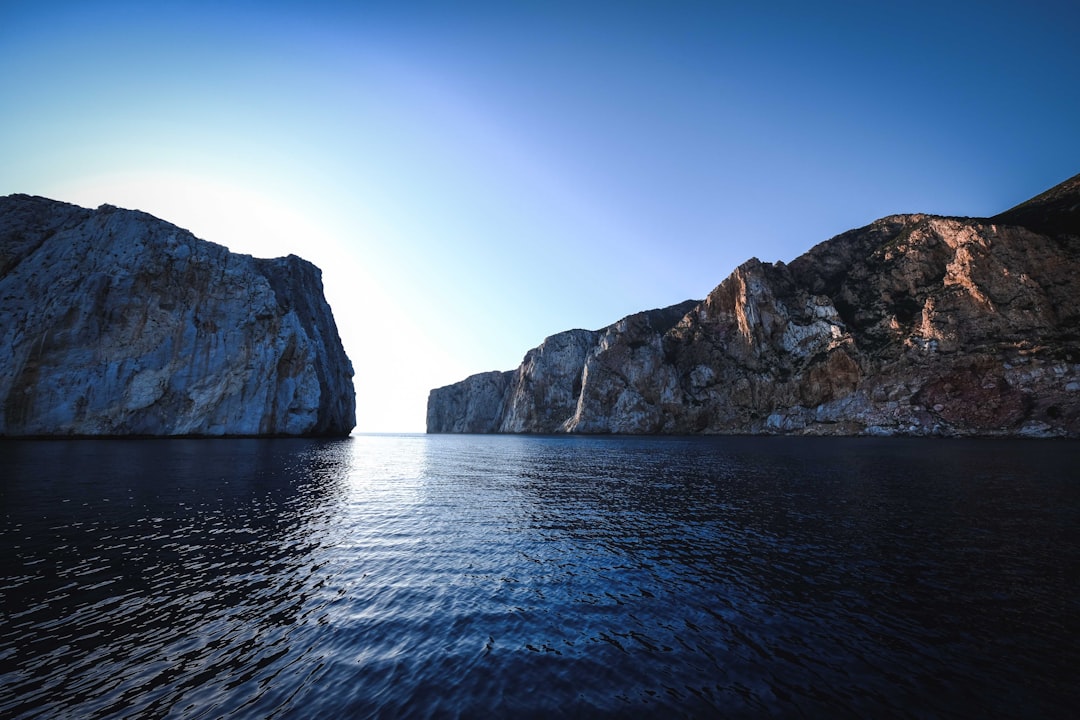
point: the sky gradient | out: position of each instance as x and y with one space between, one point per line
472 177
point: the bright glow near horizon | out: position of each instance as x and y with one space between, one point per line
473 178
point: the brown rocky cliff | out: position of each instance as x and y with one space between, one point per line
914 324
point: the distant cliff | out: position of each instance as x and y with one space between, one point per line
113 322
914 324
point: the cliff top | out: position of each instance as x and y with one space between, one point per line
1054 212
27 220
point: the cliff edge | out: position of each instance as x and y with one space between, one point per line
913 325
113 322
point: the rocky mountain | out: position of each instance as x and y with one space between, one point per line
113 322
912 325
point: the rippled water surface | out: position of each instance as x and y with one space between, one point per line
399 576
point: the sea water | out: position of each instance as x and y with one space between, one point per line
514 576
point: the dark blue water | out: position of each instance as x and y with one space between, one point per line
476 576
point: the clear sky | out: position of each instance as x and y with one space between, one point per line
472 177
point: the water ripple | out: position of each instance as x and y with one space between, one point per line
418 576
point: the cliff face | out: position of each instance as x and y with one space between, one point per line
113 322
914 324
551 391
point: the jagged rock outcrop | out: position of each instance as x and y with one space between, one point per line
547 393
113 322
914 324
625 384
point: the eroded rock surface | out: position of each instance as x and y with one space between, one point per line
914 324
113 322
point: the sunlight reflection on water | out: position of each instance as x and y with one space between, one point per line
446 575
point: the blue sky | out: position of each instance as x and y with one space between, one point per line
472 177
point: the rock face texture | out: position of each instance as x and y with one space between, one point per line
546 393
113 322
912 325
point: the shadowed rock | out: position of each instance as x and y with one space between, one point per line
117 323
